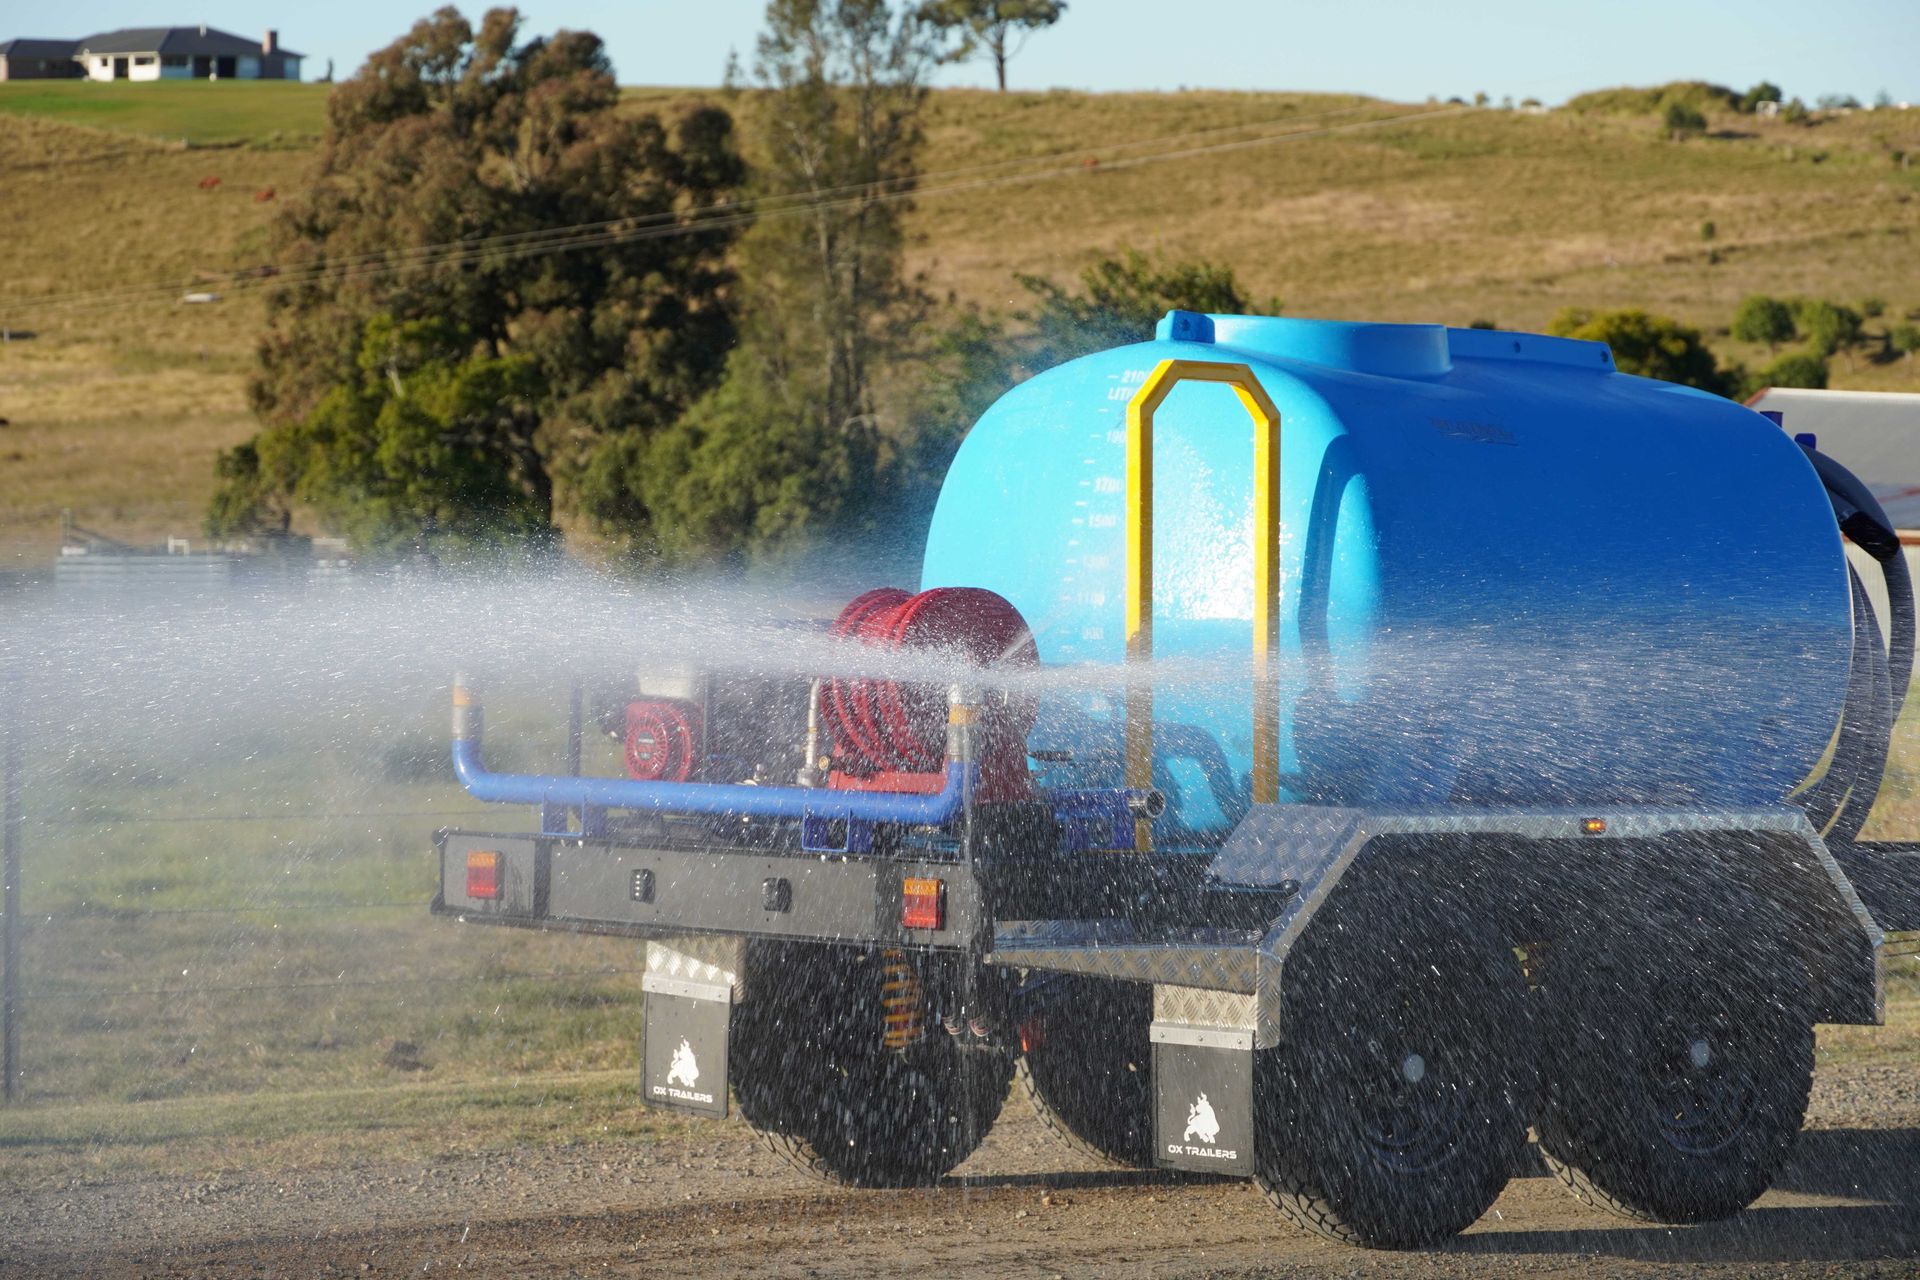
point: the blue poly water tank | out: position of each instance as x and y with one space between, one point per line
1511 574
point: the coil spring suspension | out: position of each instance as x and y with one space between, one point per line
902 1000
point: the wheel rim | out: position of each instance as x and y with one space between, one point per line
1411 1121
1701 1092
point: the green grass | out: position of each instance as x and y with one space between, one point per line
422 1120
199 113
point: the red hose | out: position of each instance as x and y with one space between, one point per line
902 725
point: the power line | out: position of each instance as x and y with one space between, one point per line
791 202
747 208
719 217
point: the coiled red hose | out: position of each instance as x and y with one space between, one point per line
882 725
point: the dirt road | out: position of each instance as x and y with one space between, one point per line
718 1205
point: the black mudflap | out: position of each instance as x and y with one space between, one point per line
683 1045
1204 1113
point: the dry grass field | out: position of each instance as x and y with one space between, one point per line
118 403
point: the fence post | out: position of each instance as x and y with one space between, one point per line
12 718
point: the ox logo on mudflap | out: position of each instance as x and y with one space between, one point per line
683 1069
1205 1107
1201 1122
683 1054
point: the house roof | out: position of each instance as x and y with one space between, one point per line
27 47
192 41
1874 434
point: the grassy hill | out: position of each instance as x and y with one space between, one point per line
120 400
199 113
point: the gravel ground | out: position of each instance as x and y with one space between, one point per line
717 1204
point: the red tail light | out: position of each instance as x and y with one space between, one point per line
483 874
923 903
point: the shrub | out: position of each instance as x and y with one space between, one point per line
1682 120
1796 369
1698 94
1649 345
1763 319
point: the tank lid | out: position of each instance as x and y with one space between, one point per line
1184 326
1392 350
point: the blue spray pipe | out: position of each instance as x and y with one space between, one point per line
727 800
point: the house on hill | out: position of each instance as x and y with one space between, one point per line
152 53
29 59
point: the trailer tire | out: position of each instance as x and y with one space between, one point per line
1678 1059
1088 1070
1394 1110
812 1078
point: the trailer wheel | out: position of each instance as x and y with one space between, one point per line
812 1077
1678 1060
1394 1111
1087 1069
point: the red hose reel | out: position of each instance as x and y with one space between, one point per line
893 733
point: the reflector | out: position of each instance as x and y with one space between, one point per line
483 874
923 902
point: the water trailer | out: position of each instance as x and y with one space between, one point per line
1334 750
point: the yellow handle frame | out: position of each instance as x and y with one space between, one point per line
1139 577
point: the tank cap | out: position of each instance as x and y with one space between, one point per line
1184 326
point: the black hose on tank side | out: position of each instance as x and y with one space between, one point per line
1877 687
1866 524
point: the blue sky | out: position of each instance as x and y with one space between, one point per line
1402 49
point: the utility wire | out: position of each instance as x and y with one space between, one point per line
748 208
751 207
589 235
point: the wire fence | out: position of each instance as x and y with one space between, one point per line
255 988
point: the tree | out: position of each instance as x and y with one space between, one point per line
1795 112
1765 91
993 26
1763 319
1796 369
789 448
449 161
1682 120
428 449
1904 339
1830 327
1122 298
968 364
1649 345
